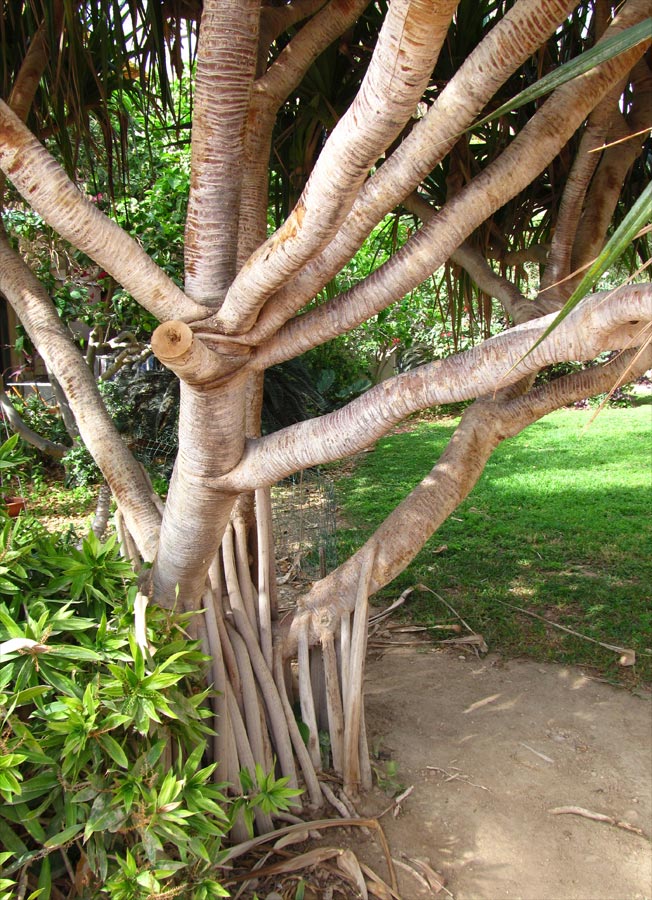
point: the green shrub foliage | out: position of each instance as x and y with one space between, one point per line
102 781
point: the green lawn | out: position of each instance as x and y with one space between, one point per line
559 524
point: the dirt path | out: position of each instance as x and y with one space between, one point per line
516 739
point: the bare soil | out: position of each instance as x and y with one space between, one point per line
490 747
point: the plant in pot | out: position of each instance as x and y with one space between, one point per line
11 458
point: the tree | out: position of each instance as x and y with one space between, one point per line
249 300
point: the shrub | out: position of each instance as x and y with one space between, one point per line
101 742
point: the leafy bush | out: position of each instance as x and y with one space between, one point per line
12 457
102 742
41 417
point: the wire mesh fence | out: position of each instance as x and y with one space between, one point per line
305 525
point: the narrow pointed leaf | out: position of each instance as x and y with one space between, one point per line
605 50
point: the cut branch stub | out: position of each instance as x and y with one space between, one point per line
174 344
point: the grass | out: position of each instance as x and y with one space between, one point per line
559 524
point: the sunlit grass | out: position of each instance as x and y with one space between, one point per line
558 524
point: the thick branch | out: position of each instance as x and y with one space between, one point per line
27 81
558 264
518 307
274 20
226 62
270 92
211 440
614 165
601 322
16 423
537 144
514 38
48 190
483 427
407 48
175 345
48 333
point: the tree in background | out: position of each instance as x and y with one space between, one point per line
330 115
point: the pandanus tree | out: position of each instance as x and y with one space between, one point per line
415 78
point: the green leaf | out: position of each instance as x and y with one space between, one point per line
58 840
638 216
605 50
45 879
114 750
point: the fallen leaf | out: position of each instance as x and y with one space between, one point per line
628 658
434 879
347 861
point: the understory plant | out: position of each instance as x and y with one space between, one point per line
102 741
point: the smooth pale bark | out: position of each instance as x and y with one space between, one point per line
29 75
404 532
604 321
274 20
577 184
226 62
270 91
15 422
405 53
514 38
211 440
533 148
124 475
48 190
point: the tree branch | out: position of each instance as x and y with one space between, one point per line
17 424
558 264
407 48
274 20
523 30
602 322
48 190
614 165
483 427
39 318
269 93
528 154
29 75
512 300
226 63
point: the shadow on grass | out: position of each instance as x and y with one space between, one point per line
557 525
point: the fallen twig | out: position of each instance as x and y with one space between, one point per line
457 775
536 753
246 846
597 817
376 618
627 658
424 587
434 879
422 875
474 640
416 875
395 806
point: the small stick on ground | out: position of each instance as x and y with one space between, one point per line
457 775
628 657
424 587
597 817
395 805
